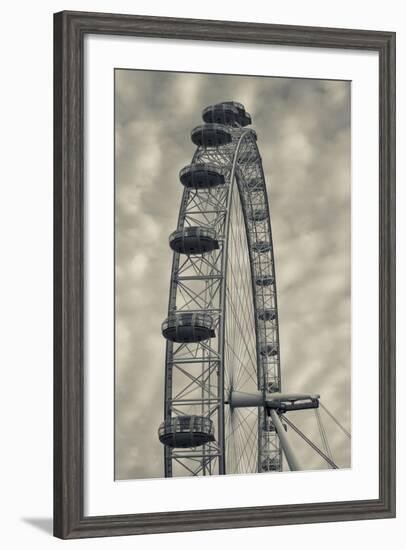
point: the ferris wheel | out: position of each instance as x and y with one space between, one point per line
223 405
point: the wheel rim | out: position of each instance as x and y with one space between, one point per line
240 353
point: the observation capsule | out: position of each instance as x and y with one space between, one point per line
194 240
227 112
186 431
236 104
244 117
261 247
201 176
265 280
221 113
193 327
211 135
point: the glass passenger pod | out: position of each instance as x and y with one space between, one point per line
239 106
266 280
227 112
222 113
201 176
235 104
211 135
188 327
194 240
186 431
268 350
267 314
261 247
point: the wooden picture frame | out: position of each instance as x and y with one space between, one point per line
70 29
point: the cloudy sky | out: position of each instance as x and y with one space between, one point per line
303 129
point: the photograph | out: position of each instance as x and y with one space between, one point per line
199 289
232 272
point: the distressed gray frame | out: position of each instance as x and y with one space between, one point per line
69 31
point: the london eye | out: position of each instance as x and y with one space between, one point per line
224 408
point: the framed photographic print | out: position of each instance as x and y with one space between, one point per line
224 274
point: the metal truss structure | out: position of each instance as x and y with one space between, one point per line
235 284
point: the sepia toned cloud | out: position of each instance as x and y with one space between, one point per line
303 129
